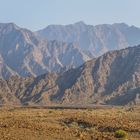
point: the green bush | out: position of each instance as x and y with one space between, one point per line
120 134
50 111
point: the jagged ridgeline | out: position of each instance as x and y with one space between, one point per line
23 53
57 48
112 79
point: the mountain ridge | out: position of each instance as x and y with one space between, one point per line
110 79
97 39
25 54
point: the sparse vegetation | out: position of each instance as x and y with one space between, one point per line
70 124
120 134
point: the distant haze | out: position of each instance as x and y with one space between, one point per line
35 15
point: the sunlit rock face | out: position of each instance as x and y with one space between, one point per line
111 79
23 53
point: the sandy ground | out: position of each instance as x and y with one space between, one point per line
68 124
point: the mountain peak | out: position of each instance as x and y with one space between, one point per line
121 25
80 23
10 25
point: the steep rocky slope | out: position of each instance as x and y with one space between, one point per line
113 78
22 53
25 53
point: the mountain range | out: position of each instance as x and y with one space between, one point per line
110 79
23 53
95 39
57 48
74 64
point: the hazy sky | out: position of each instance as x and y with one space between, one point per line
37 14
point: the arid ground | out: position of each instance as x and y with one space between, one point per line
69 124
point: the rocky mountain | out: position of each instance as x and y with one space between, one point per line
96 39
112 79
57 47
23 53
